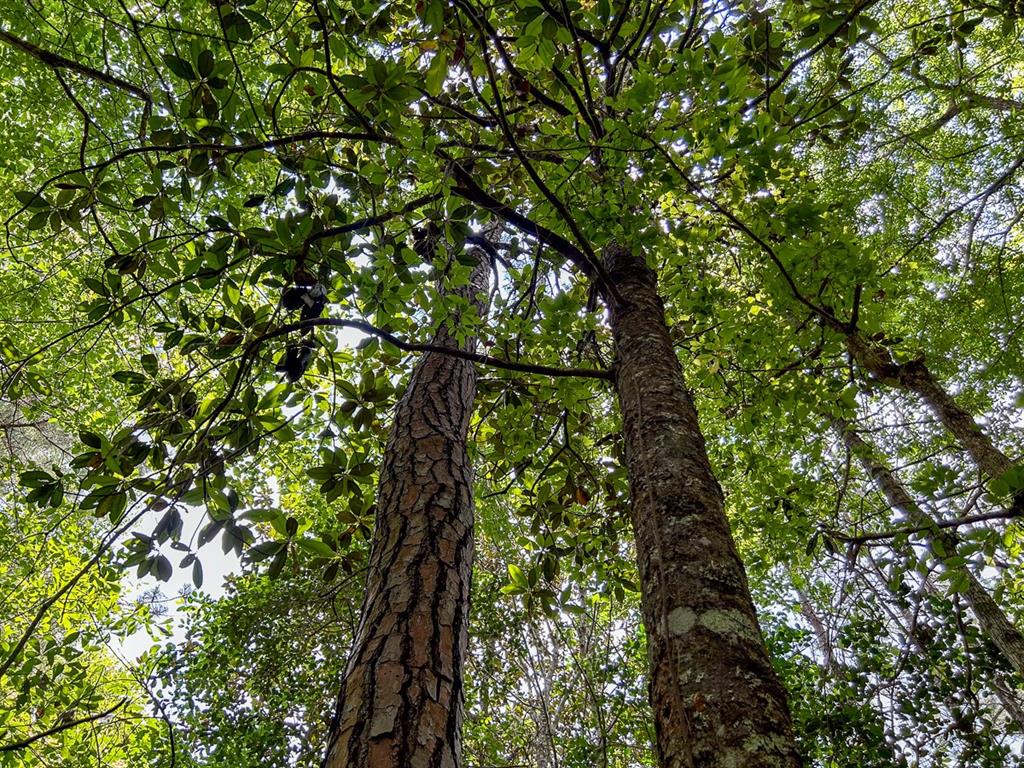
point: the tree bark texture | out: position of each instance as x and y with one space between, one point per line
991 618
400 704
716 698
915 376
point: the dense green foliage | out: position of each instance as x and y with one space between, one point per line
798 172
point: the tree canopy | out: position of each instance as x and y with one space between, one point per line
215 284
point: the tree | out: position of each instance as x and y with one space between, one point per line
401 697
715 696
989 615
768 197
66 697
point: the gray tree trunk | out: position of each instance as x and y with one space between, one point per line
991 618
916 377
717 700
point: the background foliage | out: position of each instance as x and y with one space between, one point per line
796 171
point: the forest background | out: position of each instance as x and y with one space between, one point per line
232 231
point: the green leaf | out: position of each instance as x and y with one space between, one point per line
128 377
180 67
205 63
264 550
263 515
38 221
436 73
433 14
316 547
35 478
517 577
31 200
278 564
163 568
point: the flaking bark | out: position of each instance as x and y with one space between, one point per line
717 700
400 704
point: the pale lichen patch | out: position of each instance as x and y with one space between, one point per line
724 622
729 622
681 621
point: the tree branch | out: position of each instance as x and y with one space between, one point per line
372 221
222 149
1006 514
63 726
469 189
57 61
411 346
823 43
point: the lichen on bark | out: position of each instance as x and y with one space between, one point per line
716 698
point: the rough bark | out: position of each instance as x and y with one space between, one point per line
716 698
400 704
991 618
915 376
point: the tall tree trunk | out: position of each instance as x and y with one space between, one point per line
991 618
400 704
716 699
1008 699
916 377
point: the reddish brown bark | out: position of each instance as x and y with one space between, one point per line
717 701
400 704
